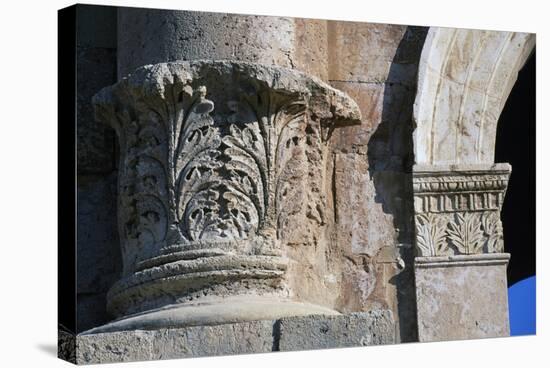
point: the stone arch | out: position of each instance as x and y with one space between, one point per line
464 79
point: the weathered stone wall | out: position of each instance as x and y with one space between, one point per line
376 65
98 252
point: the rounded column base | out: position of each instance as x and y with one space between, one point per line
215 311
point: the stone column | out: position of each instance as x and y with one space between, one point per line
149 36
372 167
217 159
460 268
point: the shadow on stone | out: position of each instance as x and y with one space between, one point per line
390 154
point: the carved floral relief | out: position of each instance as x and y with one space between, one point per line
220 164
459 212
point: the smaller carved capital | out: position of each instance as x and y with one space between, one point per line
457 208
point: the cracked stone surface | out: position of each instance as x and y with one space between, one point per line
288 334
462 297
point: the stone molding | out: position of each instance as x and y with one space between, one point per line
462 260
457 208
219 159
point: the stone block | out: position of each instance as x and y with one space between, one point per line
385 130
323 332
374 53
66 346
236 338
311 47
174 343
462 297
114 347
97 233
370 99
363 225
292 333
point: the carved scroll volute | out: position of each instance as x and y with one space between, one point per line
214 154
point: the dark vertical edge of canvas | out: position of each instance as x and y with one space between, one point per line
66 175
533 154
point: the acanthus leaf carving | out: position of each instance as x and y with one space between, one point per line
465 203
211 180
270 149
492 228
458 233
465 233
431 234
246 170
196 161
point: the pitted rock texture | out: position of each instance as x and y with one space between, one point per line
150 36
66 346
373 229
288 334
462 297
375 327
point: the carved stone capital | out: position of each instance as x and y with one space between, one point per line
217 160
457 208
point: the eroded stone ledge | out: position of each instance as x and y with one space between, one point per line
375 327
